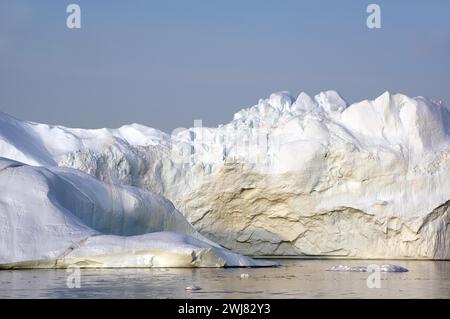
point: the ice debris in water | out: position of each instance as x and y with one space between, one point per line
383 268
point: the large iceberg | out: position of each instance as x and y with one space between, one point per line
288 176
58 217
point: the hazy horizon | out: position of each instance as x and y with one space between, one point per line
165 64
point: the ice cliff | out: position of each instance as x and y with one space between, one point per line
288 176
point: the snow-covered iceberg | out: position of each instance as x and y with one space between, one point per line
59 217
288 176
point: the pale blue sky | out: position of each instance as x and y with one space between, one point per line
166 63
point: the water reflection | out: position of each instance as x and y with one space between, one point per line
295 279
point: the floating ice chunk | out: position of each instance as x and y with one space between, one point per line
383 268
393 268
348 268
191 288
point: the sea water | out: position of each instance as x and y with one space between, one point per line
293 279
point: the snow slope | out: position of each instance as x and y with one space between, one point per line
58 217
288 176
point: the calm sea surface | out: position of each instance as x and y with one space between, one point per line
294 279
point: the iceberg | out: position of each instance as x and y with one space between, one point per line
54 217
289 176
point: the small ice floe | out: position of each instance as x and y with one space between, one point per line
348 268
244 276
382 268
191 288
393 268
